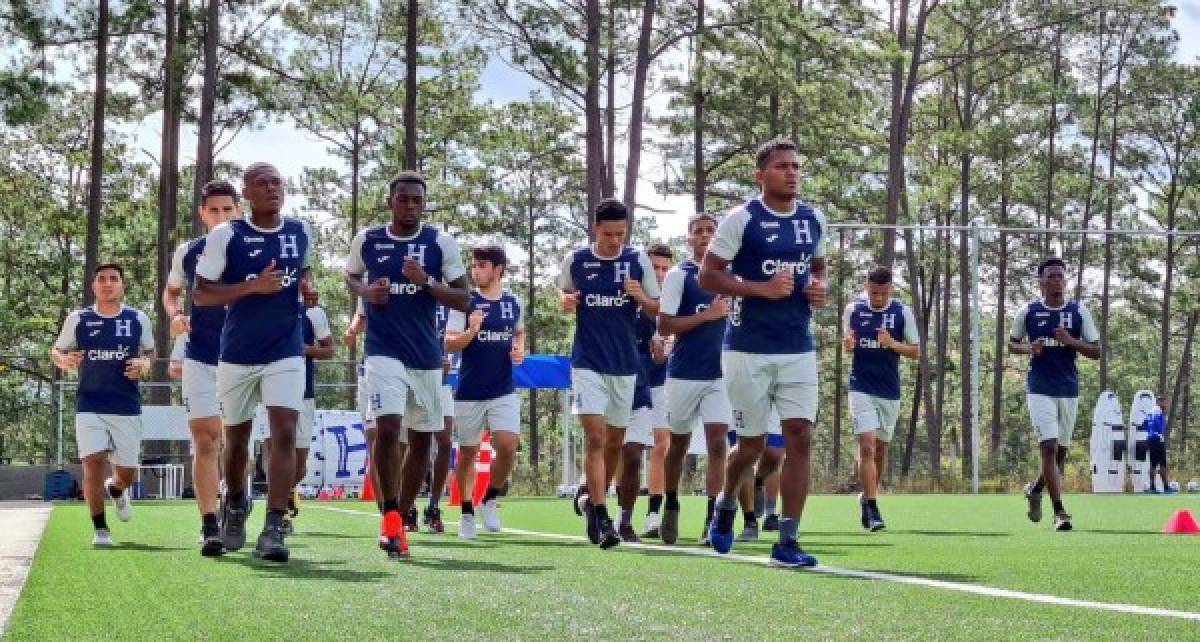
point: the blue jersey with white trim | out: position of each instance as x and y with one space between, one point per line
485 368
204 339
696 355
259 328
605 337
766 244
1053 373
875 370
107 343
656 373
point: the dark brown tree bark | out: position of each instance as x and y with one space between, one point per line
593 131
208 101
637 109
698 112
96 170
410 87
1110 190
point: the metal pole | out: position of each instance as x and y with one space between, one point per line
58 458
975 319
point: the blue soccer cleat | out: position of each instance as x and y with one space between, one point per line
790 555
720 533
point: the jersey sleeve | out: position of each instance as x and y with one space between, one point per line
176 278
728 239
179 348
212 263
147 340
1089 331
847 313
354 261
320 322
1018 324
911 335
649 281
456 321
565 282
520 325
308 247
819 250
66 337
452 264
672 292
359 308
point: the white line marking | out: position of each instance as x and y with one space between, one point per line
865 575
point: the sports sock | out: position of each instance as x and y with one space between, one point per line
727 502
601 511
391 505
760 498
112 491
274 518
872 505
787 529
655 504
492 493
1058 506
209 524
1039 485
98 521
672 501
467 507
750 518
626 517
433 503
770 510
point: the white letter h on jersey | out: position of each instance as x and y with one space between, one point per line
506 310
801 229
621 271
417 253
289 247
1064 319
124 327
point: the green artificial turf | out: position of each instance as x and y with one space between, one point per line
155 585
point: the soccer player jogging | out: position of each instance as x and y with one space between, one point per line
661 258
623 456
878 331
444 438
1052 331
695 389
407 266
111 345
769 255
258 268
202 347
604 285
491 340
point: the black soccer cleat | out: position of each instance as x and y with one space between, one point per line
270 546
213 546
627 534
864 515
592 526
233 522
608 534
875 520
771 523
410 520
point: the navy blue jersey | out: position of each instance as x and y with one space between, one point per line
204 341
406 327
605 338
259 328
107 343
316 328
758 243
647 328
1053 372
875 370
696 355
485 367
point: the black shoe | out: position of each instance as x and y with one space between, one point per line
233 522
593 524
626 534
875 520
580 492
864 515
433 520
410 520
608 535
213 546
771 523
270 545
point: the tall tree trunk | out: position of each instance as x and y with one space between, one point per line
1097 116
168 177
921 314
410 86
1164 321
356 145
1001 315
1111 192
208 101
594 159
531 330
1183 375
610 112
837 355
965 343
1052 136
637 108
698 112
96 170
942 317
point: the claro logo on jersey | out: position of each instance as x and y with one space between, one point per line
120 354
606 300
798 268
494 335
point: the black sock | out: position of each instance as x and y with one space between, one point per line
672 501
1058 505
712 504
872 505
601 511
467 507
98 522
759 482
749 518
655 504
492 493
1039 485
391 505
209 524
113 492
274 518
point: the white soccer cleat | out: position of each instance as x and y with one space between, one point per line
466 527
124 506
102 538
491 515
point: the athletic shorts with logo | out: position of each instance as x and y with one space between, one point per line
240 388
691 403
1053 417
759 382
394 389
871 414
601 394
471 418
200 399
118 435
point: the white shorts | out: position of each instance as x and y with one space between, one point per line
689 402
601 394
472 417
1053 417
448 402
118 435
641 428
871 414
200 390
394 389
360 397
658 407
758 382
279 384
305 424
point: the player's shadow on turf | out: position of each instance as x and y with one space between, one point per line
146 548
476 565
299 569
319 534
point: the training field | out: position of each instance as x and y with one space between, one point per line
950 567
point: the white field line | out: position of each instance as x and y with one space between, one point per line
961 587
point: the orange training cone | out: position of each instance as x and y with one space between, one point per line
1181 523
368 491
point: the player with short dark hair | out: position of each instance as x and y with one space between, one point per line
1156 444
878 330
490 341
402 270
769 255
201 333
112 347
1052 330
655 363
604 285
258 268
